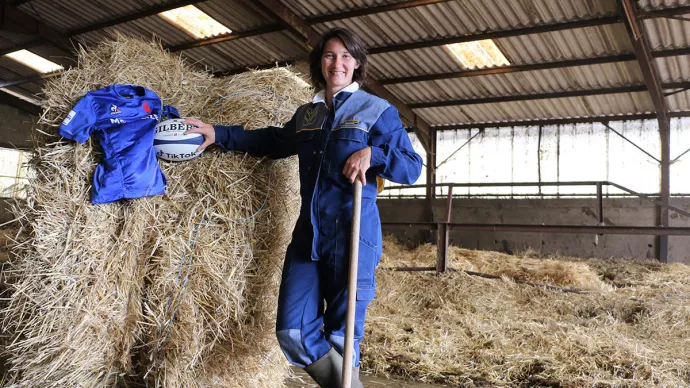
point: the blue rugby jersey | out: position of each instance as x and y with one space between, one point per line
123 118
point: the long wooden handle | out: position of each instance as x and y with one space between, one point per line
352 286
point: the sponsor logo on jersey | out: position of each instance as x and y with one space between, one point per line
147 108
114 110
69 117
118 121
152 117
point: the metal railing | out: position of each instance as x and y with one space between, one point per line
443 227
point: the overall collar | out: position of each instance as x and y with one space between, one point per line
321 95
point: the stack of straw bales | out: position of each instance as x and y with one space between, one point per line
172 291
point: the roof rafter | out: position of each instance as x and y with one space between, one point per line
540 96
310 36
8 99
510 69
663 12
533 66
557 121
550 27
371 10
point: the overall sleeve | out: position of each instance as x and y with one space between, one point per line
80 121
274 142
392 155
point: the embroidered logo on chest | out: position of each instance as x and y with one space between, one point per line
310 116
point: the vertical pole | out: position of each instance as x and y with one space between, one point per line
665 189
431 181
600 199
443 235
348 352
650 73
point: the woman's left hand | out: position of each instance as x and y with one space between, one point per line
357 165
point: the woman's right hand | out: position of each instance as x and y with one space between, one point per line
204 129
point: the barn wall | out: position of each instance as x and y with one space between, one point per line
621 212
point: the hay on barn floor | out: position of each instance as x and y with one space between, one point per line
471 331
522 268
178 290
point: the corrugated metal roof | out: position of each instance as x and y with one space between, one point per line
610 104
67 15
535 48
673 69
251 51
441 20
529 82
666 32
236 15
146 28
456 18
8 39
679 102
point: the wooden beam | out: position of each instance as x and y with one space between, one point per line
8 99
540 96
35 78
309 37
556 121
551 27
643 52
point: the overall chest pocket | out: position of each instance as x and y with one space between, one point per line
306 145
344 142
305 142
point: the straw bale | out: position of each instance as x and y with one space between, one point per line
8 236
176 290
472 331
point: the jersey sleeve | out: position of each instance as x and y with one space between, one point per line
80 121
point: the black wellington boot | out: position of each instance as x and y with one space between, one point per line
327 371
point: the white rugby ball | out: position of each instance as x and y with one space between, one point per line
172 144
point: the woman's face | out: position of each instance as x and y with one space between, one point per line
337 65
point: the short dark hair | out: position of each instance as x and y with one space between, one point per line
354 45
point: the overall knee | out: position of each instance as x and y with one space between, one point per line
291 343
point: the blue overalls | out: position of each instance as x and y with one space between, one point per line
317 259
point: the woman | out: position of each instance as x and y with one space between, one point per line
342 135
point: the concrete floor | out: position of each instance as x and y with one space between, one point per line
302 380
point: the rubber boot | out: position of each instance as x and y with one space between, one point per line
327 371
